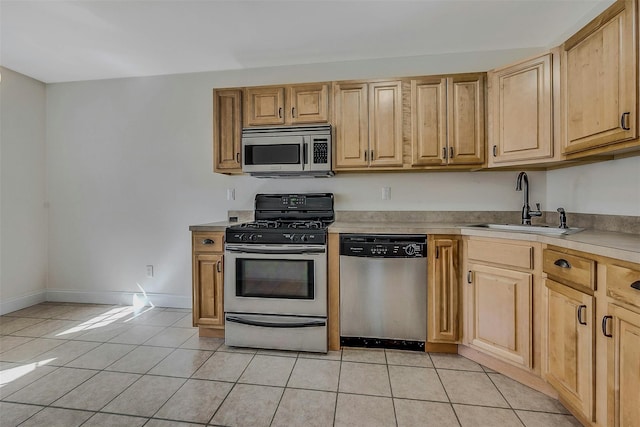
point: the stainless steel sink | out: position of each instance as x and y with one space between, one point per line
544 229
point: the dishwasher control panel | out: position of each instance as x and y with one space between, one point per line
383 245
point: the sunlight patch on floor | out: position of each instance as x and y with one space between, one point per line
12 374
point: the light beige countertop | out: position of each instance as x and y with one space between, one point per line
622 246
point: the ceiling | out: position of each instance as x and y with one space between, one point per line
60 41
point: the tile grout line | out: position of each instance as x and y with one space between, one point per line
232 387
284 389
505 399
335 404
393 403
446 393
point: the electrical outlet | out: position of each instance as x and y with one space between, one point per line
231 193
386 193
149 271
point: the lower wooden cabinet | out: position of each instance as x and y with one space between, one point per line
208 279
499 312
623 362
443 303
568 345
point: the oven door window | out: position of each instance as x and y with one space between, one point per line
275 278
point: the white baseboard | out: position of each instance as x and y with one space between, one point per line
123 298
18 303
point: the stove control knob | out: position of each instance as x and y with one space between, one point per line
304 238
252 237
294 237
242 237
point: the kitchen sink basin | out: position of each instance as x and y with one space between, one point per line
544 229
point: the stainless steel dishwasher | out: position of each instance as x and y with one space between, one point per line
383 290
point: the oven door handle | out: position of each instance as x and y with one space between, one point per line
309 324
301 251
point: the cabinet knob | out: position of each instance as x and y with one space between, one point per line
580 311
636 285
623 123
604 326
562 263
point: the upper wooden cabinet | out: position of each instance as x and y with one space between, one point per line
523 105
293 104
599 81
368 124
227 130
447 120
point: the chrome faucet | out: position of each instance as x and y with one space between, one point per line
527 213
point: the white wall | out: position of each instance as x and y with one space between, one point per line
611 187
130 168
23 216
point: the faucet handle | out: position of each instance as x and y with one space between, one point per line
537 212
538 207
563 218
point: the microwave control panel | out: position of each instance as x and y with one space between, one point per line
320 152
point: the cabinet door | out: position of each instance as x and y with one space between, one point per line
351 120
623 363
207 290
309 103
428 121
568 344
227 130
385 123
499 313
465 119
443 294
521 111
264 106
599 81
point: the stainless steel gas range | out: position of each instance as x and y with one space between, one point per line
275 287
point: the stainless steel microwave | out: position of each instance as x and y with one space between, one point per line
290 151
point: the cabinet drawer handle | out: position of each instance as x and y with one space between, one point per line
562 263
219 267
208 242
604 326
580 311
636 285
451 152
280 112
293 111
495 151
237 157
623 123
469 276
444 153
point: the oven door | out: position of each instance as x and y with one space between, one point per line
275 279
274 154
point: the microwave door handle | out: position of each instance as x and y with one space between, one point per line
305 152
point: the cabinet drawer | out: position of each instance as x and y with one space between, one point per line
520 256
624 284
569 268
208 241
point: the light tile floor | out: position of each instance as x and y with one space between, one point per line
95 365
